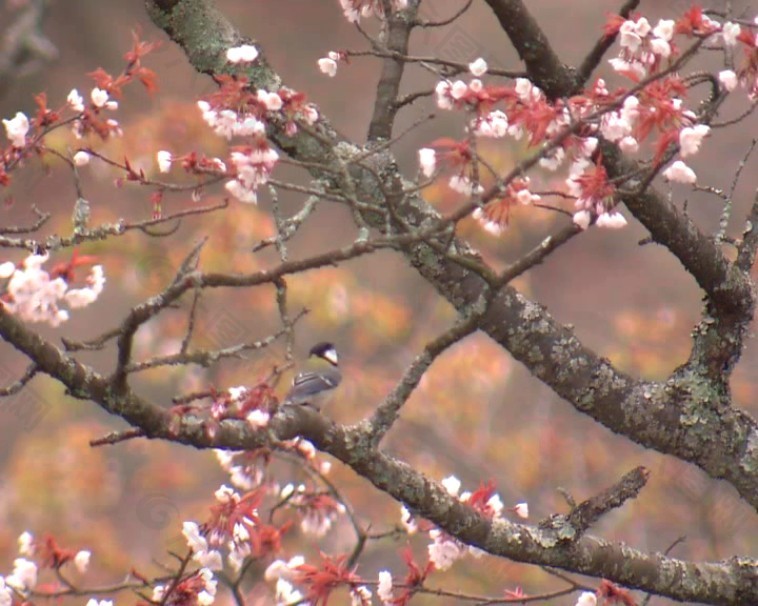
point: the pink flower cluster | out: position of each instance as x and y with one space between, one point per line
252 162
34 295
444 550
656 112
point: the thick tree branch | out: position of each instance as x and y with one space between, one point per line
542 63
727 286
399 27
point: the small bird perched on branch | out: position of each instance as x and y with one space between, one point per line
315 383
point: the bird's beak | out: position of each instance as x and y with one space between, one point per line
331 355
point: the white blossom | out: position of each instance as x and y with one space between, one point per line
464 185
16 129
384 587
478 67
582 218
24 576
99 97
679 172
494 124
660 47
444 552
272 101
35 297
491 227
407 520
665 29
729 32
328 66
458 89
81 297
690 138
6 595
611 220
587 598
209 559
522 509
164 158
526 91
81 158
442 90
279 569
195 541
728 79
629 145
258 418
245 53
629 37
25 540
495 503
427 159
286 593
452 485
360 596
225 494
6 271
81 560
642 26
75 101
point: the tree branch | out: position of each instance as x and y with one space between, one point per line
542 63
388 411
399 27
590 511
592 60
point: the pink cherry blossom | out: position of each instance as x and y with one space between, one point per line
245 53
728 79
81 158
690 138
328 66
16 129
679 172
478 67
427 159
75 101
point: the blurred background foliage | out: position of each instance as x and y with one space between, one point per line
477 413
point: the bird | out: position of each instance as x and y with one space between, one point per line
317 379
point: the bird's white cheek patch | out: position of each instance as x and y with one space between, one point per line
331 355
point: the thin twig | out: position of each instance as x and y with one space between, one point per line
117 436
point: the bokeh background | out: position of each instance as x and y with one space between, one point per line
478 414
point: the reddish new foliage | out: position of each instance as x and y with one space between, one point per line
53 555
613 594
322 580
65 270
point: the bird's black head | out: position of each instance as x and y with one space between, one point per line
325 350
